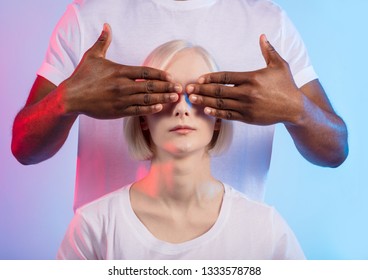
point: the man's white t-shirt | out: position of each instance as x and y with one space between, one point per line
108 228
228 30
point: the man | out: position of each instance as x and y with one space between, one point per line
99 85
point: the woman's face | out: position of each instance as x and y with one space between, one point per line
182 128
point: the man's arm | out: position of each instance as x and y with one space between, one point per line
41 127
319 134
269 96
98 88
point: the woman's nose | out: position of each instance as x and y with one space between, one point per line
183 106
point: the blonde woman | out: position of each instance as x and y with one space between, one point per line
179 210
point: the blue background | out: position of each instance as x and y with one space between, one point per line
327 208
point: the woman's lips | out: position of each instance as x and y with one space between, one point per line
182 129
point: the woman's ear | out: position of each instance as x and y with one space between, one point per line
143 123
217 125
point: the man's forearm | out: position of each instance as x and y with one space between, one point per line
40 130
320 136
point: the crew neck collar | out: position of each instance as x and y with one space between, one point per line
184 5
154 244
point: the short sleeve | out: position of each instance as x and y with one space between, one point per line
64 50
286 245
79 241
293 50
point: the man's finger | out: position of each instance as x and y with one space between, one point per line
137 110
102 44
214 90
217 103
147 99
226 78
223 114
151 86
270 55
144 73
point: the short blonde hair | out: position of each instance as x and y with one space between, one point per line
139 141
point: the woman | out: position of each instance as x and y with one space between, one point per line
179 210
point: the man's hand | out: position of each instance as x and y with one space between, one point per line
261 97
103 89
98 88
269 96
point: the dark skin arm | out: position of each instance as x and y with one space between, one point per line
98 88
269 96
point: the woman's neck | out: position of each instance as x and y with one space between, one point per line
179 199
181 180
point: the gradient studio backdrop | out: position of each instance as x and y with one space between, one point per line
327 208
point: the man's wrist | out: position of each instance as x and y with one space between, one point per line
67 104
298 112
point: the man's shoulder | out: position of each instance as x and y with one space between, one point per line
263 12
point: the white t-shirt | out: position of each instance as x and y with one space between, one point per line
109 229
229 30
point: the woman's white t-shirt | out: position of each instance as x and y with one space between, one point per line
108 228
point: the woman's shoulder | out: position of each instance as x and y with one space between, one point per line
242 203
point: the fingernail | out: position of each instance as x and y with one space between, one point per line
157 107
190 89
207 111
178 88
193 98
201 80
173 97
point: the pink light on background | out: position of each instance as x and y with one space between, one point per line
34 200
